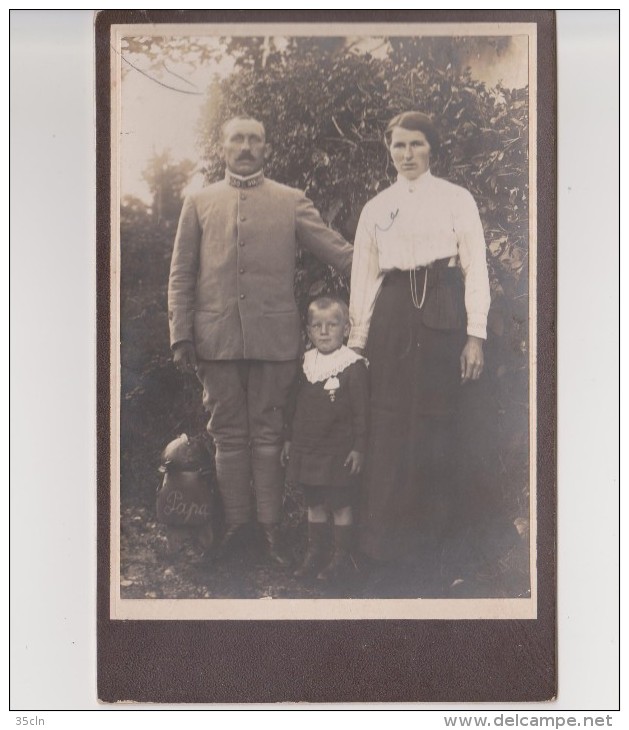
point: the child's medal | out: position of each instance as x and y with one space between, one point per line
332 385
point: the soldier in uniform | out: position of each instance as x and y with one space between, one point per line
234 320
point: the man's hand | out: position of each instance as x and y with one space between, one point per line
184 357
285 455
472 359
354 462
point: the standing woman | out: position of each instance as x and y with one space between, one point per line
419 303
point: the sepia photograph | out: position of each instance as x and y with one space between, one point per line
323 301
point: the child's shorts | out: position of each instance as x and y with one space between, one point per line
331 497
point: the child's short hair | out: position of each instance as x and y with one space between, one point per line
327 302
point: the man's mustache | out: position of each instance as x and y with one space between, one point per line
245 156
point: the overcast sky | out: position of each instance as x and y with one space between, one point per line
155 118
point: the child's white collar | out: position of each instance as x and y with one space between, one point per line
319 367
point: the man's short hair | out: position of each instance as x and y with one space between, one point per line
241 117
327 302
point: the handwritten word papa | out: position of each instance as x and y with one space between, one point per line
176 505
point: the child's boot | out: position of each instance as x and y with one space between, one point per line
315 550
342 565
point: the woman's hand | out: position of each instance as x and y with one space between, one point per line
359 351
285 455
472 359
354 462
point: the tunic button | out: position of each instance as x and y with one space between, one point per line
243 196
242 296
242 271
243 218
241 243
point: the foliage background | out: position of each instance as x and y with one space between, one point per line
325 104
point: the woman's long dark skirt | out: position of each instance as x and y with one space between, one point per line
408 485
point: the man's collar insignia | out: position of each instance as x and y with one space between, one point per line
236 181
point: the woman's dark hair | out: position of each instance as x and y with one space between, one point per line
416 121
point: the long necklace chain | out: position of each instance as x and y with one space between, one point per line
413 279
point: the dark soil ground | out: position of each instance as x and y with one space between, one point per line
494 565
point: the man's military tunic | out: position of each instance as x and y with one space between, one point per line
233 267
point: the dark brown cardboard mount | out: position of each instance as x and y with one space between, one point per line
155 661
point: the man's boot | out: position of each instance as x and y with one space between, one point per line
341 566
234 540
316 550
273 543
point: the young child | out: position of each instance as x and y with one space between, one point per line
325 448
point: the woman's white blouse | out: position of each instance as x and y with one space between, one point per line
410 224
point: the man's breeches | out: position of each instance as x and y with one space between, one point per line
247 400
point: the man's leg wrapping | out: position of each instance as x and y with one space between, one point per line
233 473
226 399
268 480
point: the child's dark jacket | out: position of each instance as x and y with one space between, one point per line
330 420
